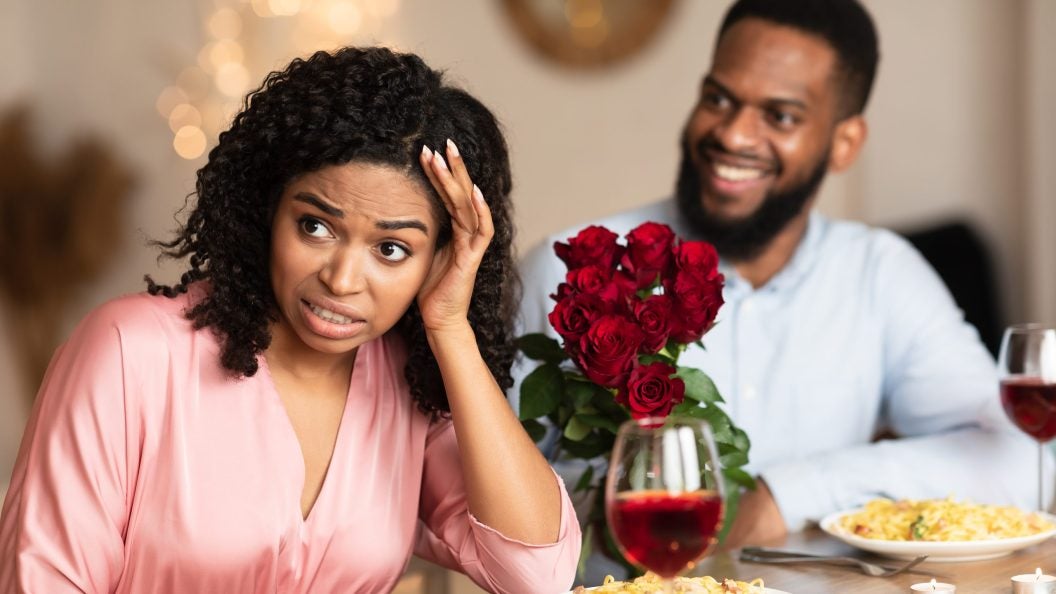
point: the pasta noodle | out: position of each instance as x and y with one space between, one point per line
651 584
940 520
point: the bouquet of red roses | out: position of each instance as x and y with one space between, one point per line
625 314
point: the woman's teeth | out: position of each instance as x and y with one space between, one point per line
330 316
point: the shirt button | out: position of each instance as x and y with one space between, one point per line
750 393
747 306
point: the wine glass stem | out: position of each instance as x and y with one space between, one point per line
1041 475
669 586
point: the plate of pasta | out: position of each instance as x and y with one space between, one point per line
942 529
651 584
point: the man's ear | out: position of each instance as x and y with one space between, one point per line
847 141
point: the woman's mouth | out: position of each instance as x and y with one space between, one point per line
330 316
331 324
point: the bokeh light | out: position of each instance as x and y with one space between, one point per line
225 24
184 115
168 99
189 142
344 17
232 79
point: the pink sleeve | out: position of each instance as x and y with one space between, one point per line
64 517
452 537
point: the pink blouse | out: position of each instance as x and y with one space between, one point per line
145 468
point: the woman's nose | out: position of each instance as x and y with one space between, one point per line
344 273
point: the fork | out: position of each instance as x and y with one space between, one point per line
764 555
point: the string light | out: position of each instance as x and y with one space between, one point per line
207 94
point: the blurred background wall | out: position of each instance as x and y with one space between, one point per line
962 124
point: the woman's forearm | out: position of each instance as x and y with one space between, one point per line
510 486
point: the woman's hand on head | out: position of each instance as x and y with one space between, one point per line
445 296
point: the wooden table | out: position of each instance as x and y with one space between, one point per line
970 577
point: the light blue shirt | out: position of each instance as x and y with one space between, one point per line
856 334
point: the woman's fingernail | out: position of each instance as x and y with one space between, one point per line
451 148
425 151
440 159
477 193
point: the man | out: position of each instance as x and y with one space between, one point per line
832 332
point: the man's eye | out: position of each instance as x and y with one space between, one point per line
393 252
314 227
713 99
783 118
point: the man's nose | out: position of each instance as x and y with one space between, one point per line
345 272
740 131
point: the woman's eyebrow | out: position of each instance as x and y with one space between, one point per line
318 203
405 224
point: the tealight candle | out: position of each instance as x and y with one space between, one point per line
933 586
1033 583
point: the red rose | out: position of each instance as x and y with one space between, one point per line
654 319
697 257
652 392
648 252
696 303
609 350
592 246
596 280
573 315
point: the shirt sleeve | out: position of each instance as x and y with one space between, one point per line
940 396
64 518
449 535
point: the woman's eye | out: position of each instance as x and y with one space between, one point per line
393 252
314 227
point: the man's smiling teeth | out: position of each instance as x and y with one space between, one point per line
330 316
730 173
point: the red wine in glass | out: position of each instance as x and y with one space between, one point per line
1031 404
664 494
667 533
1027 368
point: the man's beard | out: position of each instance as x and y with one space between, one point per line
743 239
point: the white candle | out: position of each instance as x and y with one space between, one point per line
933 586
1033 583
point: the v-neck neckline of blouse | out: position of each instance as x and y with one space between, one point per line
291 433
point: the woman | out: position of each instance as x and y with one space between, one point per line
322 392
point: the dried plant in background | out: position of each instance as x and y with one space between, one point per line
60 224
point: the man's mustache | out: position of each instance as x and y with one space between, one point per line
708 146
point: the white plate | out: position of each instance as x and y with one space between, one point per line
765 591
970 550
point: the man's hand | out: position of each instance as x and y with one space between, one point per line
758 521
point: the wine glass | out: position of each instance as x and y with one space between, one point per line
1027 368
664 494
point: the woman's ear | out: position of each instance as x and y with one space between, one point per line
847 141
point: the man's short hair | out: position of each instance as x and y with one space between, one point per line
843 24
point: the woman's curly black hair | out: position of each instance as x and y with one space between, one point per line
368 105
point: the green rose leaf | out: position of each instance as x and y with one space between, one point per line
733 459
593 445
699 386
535 429
656 358
541 391
740 439
600 422
738 477
541 348
576 429
584 479
580 393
